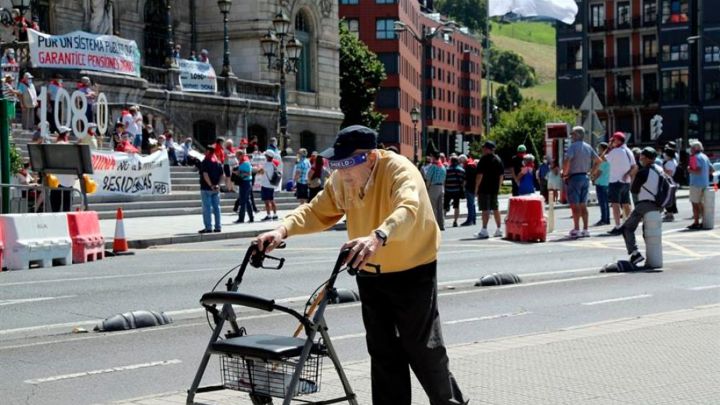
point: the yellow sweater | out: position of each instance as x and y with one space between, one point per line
397 203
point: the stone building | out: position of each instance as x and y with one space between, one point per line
252 109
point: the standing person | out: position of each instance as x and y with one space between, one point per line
541 177
490 171
622 170
390 223
170 147
231 161
273 146
700 171
601 178
85 86
148 133
435 180
56 83
470 167
302 168
454 188
187 147
318 174
244 172
11 94
204 56
517 165
580 159
211 174
526 179
28 101
267 188
669 165
131 126
555 182
645 185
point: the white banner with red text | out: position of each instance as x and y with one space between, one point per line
131 174
82 50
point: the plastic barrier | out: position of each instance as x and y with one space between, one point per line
88 244
708 214
652 232
38 238
525 221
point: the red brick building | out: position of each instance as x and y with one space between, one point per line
453 73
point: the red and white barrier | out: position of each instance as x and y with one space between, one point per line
39 238
88 244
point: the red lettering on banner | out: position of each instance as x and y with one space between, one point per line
103 162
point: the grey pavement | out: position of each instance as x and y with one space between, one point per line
662 358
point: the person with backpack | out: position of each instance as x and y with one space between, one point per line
244 173
270 179
653 188
670 166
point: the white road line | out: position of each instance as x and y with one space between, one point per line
133 275
28 300
103 371
345 337
704 287
633 297
487 318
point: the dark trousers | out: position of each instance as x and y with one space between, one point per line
403 331
603 203
244 200
630 225
61 199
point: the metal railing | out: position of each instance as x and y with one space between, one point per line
156 77
37 198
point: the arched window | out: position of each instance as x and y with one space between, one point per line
156 36
204 132
259 132
303 32
307 141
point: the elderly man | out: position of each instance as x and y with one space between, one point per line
700 171
622 170
580 159
390 223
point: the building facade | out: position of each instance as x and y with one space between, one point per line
314 114
452 74
645 57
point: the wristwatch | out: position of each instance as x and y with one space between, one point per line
382 236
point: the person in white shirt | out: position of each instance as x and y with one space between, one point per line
669 166
267 189
138 119
622 171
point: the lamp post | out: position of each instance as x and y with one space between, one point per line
169 60
425 39
415 116
224 6
283 52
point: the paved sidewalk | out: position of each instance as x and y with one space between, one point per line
665 358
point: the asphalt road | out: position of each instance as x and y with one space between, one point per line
43 363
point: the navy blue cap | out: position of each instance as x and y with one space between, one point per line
489 145
350 139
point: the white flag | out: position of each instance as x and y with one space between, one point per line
563 10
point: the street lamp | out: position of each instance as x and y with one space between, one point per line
415 117
224 6
170 62
425 39
283 53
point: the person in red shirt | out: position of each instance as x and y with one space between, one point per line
219 150
125 145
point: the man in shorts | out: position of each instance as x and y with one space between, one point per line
700 171
267 189
580 159
623 168
490 173
302 168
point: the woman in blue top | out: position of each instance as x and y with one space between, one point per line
244 172
525 179
601 177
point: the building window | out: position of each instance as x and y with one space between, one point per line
385 29
348 2
385 1
675 53
623 14
650 93
353 25
712 91
574 56
388 98
650 49
675 85
674 11
597 54
390 61
303 32
597 15
623 52
649 12
712 129
624 89
712 54
598 83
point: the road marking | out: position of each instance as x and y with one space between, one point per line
682 249
487 318
103 371
134 275
704 287
633 297
27 300
505 287
345 337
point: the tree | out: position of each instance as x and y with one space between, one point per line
509 97
508 66
470 13
526 125
361 73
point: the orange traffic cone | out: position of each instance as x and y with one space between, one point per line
119 242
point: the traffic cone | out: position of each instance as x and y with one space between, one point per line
120 244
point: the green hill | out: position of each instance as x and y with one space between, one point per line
535 42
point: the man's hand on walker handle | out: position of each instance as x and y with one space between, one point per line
361 250
268 241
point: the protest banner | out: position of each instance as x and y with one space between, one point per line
118 173
197 76
82 50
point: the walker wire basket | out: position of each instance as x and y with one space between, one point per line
270 377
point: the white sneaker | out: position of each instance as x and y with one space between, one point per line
483 234
498 233
574 233
585 233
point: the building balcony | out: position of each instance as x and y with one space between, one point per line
600 27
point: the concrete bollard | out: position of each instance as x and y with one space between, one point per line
708 214
652 232
551 216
